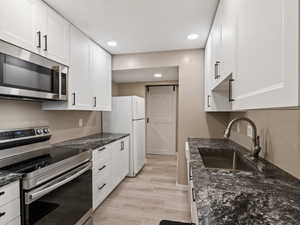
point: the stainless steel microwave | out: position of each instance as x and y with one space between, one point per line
29 76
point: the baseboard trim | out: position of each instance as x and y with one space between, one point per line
182 187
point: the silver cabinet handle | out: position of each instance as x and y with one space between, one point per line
230 90
102 168
101 149
39 45
46 42
208 100
43 190
193 195
101 187
95 101
74 98
217 69
190 172
122 145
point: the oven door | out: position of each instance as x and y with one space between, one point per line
65 200
23 78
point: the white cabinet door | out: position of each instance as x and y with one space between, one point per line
101 78
120 164
79 77
124 157
116 164
40 20
17 23
57 37
208 75
216 34
267 54
229 37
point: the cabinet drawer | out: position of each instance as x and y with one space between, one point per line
101 189
101 169
9 193
10 211
16 221
102 154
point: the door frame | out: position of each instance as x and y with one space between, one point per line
176 86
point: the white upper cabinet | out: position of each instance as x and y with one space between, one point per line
267 54
229 39
79 74
208 76
258 53
17 22
32 25
101 78
89 79
216 36
57 37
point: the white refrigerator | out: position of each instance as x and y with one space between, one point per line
128 116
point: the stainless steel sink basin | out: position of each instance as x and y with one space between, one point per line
224 159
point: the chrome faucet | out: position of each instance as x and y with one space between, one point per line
255 137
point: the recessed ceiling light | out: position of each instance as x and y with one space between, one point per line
193 36
112 43
158 75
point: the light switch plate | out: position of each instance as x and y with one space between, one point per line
249 131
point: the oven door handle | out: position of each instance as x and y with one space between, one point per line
41 191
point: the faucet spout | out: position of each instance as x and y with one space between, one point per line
255 137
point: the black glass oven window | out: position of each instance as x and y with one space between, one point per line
65 205
22 74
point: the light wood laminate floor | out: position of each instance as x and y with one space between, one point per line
147 199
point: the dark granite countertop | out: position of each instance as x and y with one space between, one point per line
8 177
92 141
267 196
81 144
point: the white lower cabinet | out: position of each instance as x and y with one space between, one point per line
110 167
10 204
16 221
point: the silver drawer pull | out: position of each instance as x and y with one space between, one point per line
102 168
100 188
2 214
193 195
2 193
101 149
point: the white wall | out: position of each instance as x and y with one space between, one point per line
192 120
64 124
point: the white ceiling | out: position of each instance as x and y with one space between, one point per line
145 75
141 25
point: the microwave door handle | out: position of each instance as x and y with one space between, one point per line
33 196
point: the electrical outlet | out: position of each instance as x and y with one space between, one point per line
80 122
249 131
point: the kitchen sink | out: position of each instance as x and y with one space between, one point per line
224 159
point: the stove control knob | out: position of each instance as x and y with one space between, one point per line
39 131
46 130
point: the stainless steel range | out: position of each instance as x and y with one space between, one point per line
57 183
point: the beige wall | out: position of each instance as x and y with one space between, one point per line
192 120
64 124
115 89
138 89
280 134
